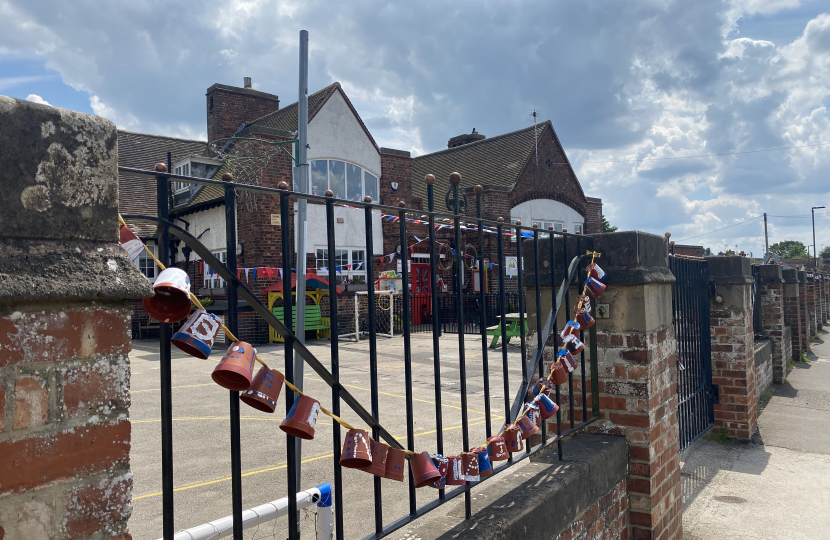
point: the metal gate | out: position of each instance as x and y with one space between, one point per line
690 301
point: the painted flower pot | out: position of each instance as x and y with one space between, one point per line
584 319
469 466
497 449
513 438
547 407
567 360
197 335
485 468
379 453
594 271
571 329
356 451
264 390
542 386
558 375
441 464
575 345
528 427
595 287
455 471
171 301
395 460
423 470
302 419
236 369
586 303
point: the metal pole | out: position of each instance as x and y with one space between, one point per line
815 256
766 236
302 184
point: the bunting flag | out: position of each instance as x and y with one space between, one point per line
131 243
253 270
246 275
238 273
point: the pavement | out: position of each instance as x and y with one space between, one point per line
778 485
201 439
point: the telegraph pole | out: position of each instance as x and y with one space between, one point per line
766 236
815 256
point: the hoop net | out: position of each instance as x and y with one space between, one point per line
247 160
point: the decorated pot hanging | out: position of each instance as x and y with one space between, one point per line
395 460
469 466
595 287
596 272
356 451
302 420
264 390
197 335
584 318
528 427
171 301
497 449
585 300
441 464
566 359
455 471
575 345
532 411
379 452
423 470
236 368
542 386
571 329
547 407
485 468
513 438
558 375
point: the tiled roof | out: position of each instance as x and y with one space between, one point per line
143 151
285 119
496 161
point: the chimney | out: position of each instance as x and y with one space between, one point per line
465 139
228 107
248 82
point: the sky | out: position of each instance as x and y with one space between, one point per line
635 90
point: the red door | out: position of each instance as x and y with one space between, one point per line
421 304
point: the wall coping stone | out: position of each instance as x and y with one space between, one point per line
730 270
790 275
771 273
518 505
802 276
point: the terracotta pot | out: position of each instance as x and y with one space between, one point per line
595 287
197 335
264 390
236 368
485 468
594 271
171 301
379 453
395 461
469 466
558 373
542 386
547 407
575 345
513 438
423 471
441 464
455 471
584 319
567 360
356 452
528 427
497 449
572 328
302 419
586 303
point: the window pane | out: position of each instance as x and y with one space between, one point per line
371 186
341 257
354 185
319 183
557 227
578 228
337 179
357 257
322 256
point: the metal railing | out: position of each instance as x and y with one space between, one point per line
530 367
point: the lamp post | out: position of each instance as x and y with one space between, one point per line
815 257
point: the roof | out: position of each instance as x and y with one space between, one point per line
143 151
497 161
285 119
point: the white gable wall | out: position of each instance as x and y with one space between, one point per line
538 210
335 133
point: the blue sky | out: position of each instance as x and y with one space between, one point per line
629 86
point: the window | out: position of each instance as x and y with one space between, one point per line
342 258
578 228
215 282
513 221
147 265
183 170
346 180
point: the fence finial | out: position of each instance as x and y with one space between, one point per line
227 177
161 167
455 178
283 185
329 193
429 179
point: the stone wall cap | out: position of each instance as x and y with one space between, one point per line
730 269
790 275
33 271
771 273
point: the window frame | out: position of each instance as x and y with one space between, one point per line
217 282
326 184
148 262
183 169
350 260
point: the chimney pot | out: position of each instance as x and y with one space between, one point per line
248 82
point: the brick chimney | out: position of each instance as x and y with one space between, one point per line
228 107
465 139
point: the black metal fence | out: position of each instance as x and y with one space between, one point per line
756 300
447 312
475 312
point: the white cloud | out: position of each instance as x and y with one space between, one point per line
37 99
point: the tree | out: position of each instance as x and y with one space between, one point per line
606 227
825 253
707 252
789 249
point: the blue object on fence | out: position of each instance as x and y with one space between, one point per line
325 495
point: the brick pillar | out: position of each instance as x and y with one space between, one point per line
792 309
733 354
772 319
637 371
803 311
811 306
64 328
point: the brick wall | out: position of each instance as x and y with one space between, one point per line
606 519
593 215
804 310
792 311
763 368
773 320
810 298
228 107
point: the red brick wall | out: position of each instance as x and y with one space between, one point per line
234 106
593 215
733 369
607 519
792 318
64 422
772 325
810 297
804 313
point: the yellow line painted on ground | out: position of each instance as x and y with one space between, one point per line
188 418
278 467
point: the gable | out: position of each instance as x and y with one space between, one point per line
336 131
